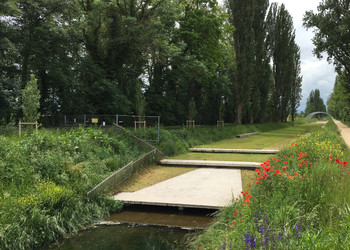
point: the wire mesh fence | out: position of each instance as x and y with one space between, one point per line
126 121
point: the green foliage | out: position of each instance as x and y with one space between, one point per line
331 25
338 102
44 179
315 102
30 100
297 200
285 54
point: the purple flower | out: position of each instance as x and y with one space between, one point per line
249 241
298 228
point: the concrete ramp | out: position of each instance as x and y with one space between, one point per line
236 151
211 164
202 188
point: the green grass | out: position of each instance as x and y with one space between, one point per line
270 139
177 141
300 201
223 157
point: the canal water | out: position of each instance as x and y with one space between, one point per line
141 228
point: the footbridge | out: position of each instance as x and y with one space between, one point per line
309 116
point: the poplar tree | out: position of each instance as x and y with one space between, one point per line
284 53
242 18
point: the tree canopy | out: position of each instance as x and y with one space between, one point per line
176 59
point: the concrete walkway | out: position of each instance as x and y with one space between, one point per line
231 150
202 188
212 164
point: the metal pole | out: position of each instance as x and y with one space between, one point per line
158 127
117 119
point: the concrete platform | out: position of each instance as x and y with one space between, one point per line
247 134
202 188
211 164
238 151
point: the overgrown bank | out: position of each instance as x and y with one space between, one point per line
299 199
44 179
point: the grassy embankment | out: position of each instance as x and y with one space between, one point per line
298 200
281 134
44 179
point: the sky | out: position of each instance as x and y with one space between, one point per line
317 74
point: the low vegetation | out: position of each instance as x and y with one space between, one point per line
44 179
298 199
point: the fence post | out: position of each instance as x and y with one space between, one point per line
84 121
117 119
158 127
19 131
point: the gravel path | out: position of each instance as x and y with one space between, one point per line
344 131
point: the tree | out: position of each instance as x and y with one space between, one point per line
242 18
338 103
286 61
295 96
331 27
314 102
31 100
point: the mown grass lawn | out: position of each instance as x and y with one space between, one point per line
274 139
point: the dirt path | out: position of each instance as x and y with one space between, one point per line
344 131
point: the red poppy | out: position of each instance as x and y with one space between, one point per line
284 168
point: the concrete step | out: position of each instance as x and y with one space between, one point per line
247 134
238 151
215 164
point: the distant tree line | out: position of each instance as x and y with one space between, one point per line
331 25
315 103
173 58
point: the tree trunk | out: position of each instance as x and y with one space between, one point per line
239 113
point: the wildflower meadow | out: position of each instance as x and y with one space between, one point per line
299 199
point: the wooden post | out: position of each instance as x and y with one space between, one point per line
190 123
220 123
140 122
